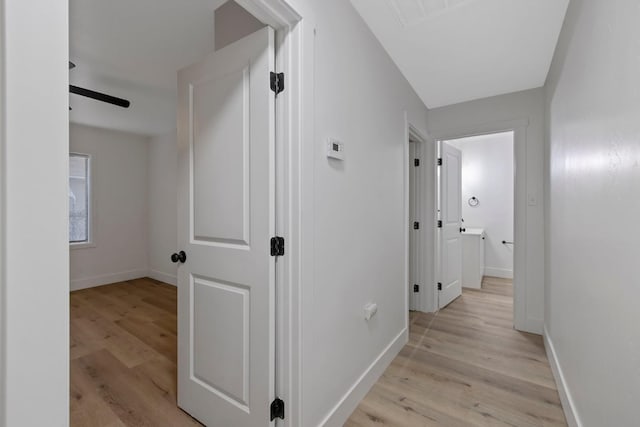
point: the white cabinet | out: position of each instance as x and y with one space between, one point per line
472 257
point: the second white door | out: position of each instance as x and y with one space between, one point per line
451 225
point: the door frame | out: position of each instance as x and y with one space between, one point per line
519 129
422 303
294 123
34 307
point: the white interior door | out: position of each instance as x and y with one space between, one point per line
451 217
226 217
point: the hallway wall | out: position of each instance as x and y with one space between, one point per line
529 106
593 182
353 221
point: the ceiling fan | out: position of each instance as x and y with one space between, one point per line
98 96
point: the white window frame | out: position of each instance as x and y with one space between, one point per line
89 243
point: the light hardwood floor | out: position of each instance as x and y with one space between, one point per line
466 366
123 356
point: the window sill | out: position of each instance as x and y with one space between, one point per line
84 245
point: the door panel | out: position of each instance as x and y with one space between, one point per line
221 157
451 215
226 217
453 184
220 328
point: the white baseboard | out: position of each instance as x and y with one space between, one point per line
498 272
349 402
533 326
473 286
170 279
90 282
569 408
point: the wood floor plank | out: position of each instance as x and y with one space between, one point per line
466 366
423 372
169 324
132 305
102 333
110 381
123 354
88 409
82 342
152 335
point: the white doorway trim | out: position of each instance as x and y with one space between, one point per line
34 276
27 66
520 285
425 275
294 124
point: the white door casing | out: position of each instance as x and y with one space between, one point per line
226 217
451 217
414 234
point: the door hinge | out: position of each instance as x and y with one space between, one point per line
439 286
416 225
277 82
416 162
439 223
277 409
416 288
440 161
277 246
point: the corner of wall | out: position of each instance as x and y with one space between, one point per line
568 406
164 277
106 279
340 413
161 191
2 216
147 205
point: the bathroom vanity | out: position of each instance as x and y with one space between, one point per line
473 240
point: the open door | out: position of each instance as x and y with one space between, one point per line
451 221
226 218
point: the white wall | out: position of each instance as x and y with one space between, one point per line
34 279
163 221
354 233
528 106
120 207
233 22
487 174
593 290
134 192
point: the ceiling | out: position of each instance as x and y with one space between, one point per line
449 50
453 51
132 50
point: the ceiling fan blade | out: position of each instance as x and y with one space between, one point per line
99 96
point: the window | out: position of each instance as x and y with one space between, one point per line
79 198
